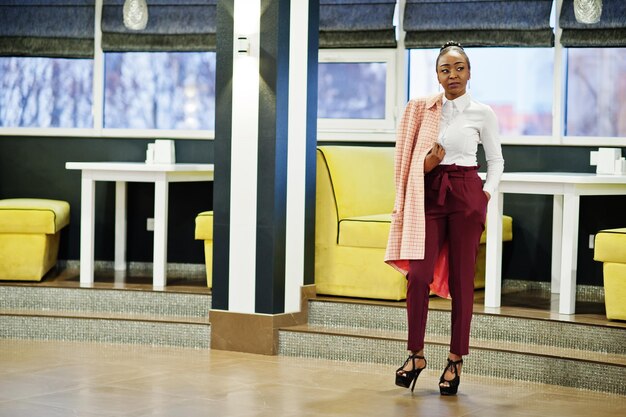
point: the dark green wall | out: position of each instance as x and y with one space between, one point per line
35 167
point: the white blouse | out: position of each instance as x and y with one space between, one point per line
465 123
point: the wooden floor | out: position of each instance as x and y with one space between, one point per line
57 378
54 378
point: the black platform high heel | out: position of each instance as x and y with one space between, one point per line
453 385
404 378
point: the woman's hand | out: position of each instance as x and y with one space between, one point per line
488 195
434 158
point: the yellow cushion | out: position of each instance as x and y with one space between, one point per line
615 290
362 179
204 226
507 230
33 215
372 231
610 246
365 231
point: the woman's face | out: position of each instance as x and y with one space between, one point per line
453 74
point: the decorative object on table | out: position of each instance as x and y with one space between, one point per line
588 11
135 14
608 161
162 151
150 154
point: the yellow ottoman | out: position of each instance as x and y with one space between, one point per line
204 231
29 236
507 236
610 248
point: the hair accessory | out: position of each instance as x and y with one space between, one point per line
449 44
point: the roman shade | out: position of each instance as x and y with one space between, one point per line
357 24
47 28
610 31
173 25
430 23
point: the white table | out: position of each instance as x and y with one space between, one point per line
566 189
122 172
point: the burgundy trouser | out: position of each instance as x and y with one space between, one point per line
455 208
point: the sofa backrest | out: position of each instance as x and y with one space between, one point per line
362 178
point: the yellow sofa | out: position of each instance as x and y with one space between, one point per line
355 197
30 231
610 248
204 231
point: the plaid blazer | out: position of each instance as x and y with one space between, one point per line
417 133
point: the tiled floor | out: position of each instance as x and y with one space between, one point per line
45 379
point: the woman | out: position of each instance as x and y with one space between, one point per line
440 208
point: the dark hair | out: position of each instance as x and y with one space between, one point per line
452 46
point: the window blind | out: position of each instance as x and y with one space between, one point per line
610 31
357 24
174 26
430 23
47 28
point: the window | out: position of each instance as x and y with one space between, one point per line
356 89
46 92
596 92
160 90
352 90
515 82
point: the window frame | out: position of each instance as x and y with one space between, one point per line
98 130
342 130
362 129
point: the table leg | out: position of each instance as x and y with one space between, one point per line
87 200
120 226
493 259
557 243
160 233
567 299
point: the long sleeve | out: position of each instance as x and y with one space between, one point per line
490 138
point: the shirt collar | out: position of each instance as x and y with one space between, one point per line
460 102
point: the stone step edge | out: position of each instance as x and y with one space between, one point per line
107 287
390 304
106 316
519 348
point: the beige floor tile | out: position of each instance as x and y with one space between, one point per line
50 378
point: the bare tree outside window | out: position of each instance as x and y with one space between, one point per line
596 92
352 90
46 92
162 90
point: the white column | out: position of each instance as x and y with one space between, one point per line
87 211
120 226
244 154
557 244
493 261
296 159
160 233
569 257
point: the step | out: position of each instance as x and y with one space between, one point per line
536 331
104 315
99 300
572 354
547 365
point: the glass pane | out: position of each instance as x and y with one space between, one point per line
352 90
46 92
515 82
596 92
160 90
